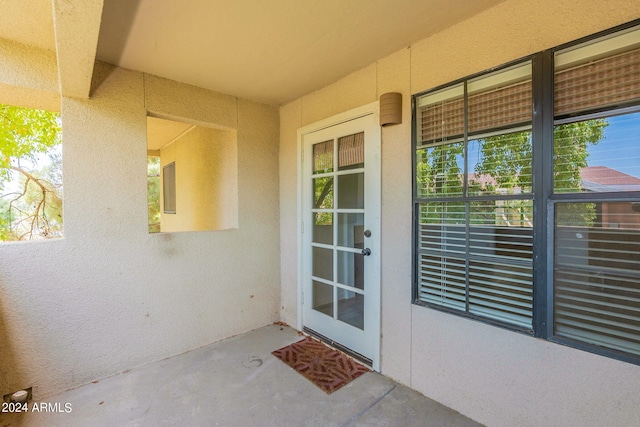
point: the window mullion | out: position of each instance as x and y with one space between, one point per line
542 140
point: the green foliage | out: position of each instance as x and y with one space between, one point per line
31 196
323 199
26 132
504 165
507 159
439 173
571 151
153 193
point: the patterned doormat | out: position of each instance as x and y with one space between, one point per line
325 367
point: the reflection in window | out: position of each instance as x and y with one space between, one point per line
323 193
598 155
439 170
475 250
480 207
501 164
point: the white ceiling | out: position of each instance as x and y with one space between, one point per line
271 51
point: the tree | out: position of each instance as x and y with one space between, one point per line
31 193
153 193
504 164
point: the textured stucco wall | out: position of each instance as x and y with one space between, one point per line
495 376
29 76
111 296
206 180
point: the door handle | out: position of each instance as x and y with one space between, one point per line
366 252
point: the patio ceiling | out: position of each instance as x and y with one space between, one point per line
269 51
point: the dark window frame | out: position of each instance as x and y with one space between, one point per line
544 198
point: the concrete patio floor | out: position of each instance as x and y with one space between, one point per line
237 382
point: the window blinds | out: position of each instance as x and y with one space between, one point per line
497 108
598 84
597 271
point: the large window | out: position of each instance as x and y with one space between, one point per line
532 220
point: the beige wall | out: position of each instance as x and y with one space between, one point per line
110 296
206 163
494 376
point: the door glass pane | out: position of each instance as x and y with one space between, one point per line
351 269
351 230
323 263
351 308
351 191
323 227
323 193
323 298
351 151
323 157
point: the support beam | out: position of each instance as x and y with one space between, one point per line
77 26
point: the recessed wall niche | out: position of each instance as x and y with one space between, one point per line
205 167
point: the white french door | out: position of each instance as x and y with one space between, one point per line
341 234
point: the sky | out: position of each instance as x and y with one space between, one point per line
620 148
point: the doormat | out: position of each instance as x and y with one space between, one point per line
325 367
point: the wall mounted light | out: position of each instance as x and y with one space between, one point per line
390 108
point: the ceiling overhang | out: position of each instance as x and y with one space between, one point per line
266 51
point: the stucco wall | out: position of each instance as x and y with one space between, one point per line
492 375
206 162
110 296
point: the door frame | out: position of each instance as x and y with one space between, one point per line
356 113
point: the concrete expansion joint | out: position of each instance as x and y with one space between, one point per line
368 408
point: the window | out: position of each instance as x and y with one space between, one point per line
169 188
532 221
30 174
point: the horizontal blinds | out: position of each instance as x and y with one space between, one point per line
598 84
500 260
478 260
597 292
497 108
506 106
442 281
442 120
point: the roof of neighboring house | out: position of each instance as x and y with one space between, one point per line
603 178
